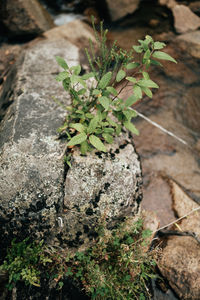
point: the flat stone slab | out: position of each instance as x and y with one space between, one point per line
190 42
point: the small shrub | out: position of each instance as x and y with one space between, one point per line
22 262
98 113
117 266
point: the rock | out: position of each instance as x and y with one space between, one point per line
180 262
101 186
119 9
35 198
184 19
152 199
31 175
190 42
195 7
168 3
22 17
188 110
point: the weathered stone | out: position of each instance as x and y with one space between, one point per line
35 199
168 3
31 175
154 187
119 9
195 7
188 110
24 17
101 185
184 19
190 42
180 262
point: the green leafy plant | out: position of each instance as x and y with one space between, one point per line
22 262
118 265
98 113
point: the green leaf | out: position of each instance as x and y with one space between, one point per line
108 138
96 92
77 139
138 49
155 62
120 75
82 91
118 129
74 78
147 83
145 75
111 122
137 91
112 90
131 79
129 114
93 124
132 65
159 45
131 100
105 80
62 62
105 102
79 127
76 69
148 39
147 55
164 56
84 147
147 91
61 76
66 84
81 81
97 143
88 75
131 127
108 130
89 115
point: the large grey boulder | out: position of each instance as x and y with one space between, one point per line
31 175
39 195
184 19
101 186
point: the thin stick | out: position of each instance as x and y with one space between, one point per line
160 127
177 220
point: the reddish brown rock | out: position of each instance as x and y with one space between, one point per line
184 19
121 8
190 42
180 262
23 17
188 109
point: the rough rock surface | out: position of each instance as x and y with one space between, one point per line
189 109
180 262
25 17
32 178
119 9
31 175
190 42
184 19
168 3
101 185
